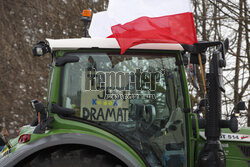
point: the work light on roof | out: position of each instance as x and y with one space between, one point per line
86 13
86 18
41 48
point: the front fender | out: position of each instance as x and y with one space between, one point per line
68 138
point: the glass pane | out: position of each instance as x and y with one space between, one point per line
138 96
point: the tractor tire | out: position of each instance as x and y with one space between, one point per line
71 156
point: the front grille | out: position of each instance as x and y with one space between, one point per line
245 150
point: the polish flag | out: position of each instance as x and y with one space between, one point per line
133 22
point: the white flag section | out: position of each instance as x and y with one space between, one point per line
100 26
124 11
133 22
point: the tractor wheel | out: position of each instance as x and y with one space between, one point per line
71 156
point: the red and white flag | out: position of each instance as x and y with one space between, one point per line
133 22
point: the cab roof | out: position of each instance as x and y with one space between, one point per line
104 43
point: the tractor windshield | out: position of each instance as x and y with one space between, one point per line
136 95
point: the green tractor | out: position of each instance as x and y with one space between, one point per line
110 110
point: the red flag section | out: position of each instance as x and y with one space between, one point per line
178 28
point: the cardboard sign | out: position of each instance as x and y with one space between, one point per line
95 107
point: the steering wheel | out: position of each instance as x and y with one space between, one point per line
145 115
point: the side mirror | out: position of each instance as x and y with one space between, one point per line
240 106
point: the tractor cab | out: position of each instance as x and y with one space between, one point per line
138 96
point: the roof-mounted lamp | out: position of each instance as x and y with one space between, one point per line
41 48
86 18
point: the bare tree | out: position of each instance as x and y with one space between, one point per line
23 24
217 20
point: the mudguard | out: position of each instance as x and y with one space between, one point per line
67 138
